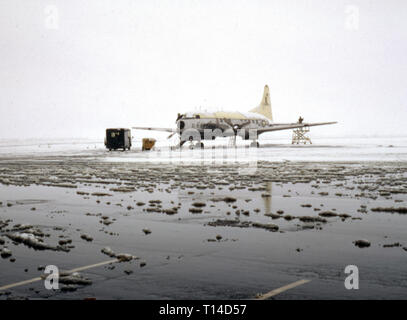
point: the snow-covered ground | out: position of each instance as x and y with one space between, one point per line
322 149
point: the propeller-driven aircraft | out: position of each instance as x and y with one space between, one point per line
199 126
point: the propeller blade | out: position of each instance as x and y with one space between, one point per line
170 136
236 127
244 124
228 122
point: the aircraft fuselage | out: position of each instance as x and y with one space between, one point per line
209 126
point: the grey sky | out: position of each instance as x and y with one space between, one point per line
124 63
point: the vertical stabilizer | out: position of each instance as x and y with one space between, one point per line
264 108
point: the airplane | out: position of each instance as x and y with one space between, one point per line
198 125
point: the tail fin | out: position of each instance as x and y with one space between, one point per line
264 107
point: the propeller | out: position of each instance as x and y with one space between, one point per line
179 116
170 136
235 127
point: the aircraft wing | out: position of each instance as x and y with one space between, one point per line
156 129
287 126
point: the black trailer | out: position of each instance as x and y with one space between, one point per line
118 138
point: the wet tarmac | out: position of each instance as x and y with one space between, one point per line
212 230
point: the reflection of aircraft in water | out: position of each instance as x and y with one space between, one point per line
267 200
198 126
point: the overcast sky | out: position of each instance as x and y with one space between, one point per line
73 68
